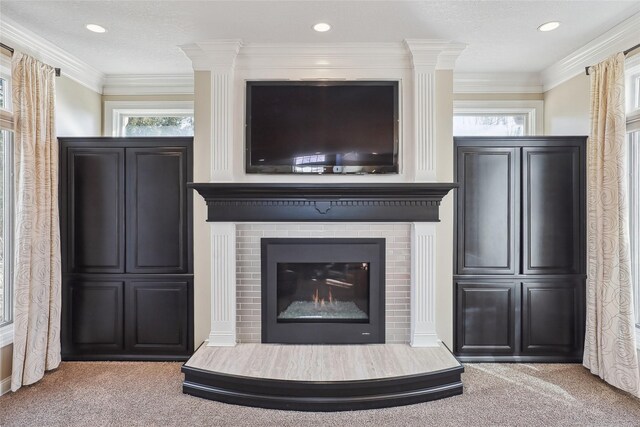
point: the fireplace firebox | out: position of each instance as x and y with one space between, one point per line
323 291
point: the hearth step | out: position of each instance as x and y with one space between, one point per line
322 377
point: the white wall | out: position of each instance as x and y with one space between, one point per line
444 229
78 109
566 107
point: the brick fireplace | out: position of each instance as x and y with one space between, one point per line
397 272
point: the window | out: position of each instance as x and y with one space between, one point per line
4 101
149 118
497 118
160 124
6 204
6 225
633 134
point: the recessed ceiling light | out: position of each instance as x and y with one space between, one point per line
549 26
322 27
96 28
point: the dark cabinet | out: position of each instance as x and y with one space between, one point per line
158 316
92 210
491 312
551 210
488 210
126 236
520 248
93 315
552 313
155 184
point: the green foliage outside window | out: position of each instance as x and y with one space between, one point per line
159 126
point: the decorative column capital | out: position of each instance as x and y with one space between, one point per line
431 55
215 55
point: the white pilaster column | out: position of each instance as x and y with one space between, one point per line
223 284
426 57
219 58
423 285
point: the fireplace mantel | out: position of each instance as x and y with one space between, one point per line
323 202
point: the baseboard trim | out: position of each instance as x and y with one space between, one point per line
5 386
518 359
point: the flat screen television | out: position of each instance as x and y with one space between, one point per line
322 127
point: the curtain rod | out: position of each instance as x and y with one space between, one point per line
631 49
10 49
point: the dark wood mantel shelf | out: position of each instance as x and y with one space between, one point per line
326 202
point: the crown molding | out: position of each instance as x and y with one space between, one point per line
497 83
434 54
24 40
323 56
148 84
617 39
449 55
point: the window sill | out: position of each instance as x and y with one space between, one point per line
6 335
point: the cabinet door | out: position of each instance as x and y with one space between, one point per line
157 314
487 210
487 317
92 317
552 212
157 234
94 203
552 316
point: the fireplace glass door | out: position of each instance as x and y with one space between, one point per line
323 292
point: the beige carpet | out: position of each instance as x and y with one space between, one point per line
149 394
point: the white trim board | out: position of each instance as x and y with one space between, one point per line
5 386
24 40
619 38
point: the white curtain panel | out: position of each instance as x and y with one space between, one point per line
610 347
37 277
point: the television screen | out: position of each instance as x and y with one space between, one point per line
322 127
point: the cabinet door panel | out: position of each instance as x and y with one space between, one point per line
551 210
552 316
93 317
157 238
487 210
486 317
95 209
157 316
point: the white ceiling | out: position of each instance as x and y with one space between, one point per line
143 36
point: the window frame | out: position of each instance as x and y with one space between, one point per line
632 88
6 124
116 111
532 109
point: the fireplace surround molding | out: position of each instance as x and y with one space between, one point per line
235 200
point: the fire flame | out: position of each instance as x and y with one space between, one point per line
320 302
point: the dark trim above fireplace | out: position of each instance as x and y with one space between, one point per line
323 202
